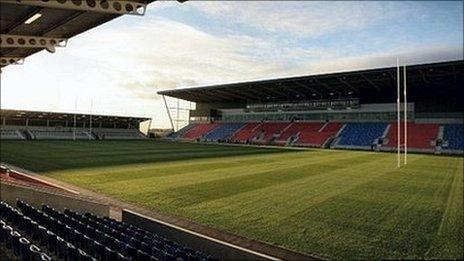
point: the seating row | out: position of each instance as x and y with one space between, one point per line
74 236
453 137
361 134
51 133
8 134
421 136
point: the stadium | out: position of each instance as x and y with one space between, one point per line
358 164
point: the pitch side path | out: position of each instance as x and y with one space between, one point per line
338 204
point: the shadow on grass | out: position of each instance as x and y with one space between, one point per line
46 156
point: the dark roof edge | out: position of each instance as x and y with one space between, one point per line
73 113
292 78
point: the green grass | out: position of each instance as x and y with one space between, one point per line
339 204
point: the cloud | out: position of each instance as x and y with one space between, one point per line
163 54
301 18
414 54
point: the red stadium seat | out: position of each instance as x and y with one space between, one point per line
299 127
269 130
199 130
314 138
420 135
248 132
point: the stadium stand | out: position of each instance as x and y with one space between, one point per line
453 137
246 133
67 126
199 130
47 234
352 135
359 135
317 108
421 136
224 131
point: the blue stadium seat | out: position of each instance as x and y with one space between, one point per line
14 238
73 236
35 253
224 131
24 251
453 134
361 134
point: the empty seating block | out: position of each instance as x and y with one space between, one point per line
361 134
420 135
299 127
199 130
318 138
10 134
332 127
119 134
182 131
73 236
313 139
48 134
453 136
248 132
268 130
224 131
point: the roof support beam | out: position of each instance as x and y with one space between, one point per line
248 97
4 61
105 6
423 76
326 85
269 89
24 41
298 93
348 85
370 82
392 77
283 89
62 23
314 91
256 96
22 19
209 95
230 94
196 96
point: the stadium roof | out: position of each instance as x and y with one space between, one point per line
58 20
63 116
374 84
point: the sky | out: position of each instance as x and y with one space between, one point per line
118 67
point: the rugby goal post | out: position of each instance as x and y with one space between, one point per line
405 115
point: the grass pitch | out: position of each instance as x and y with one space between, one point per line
339 204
